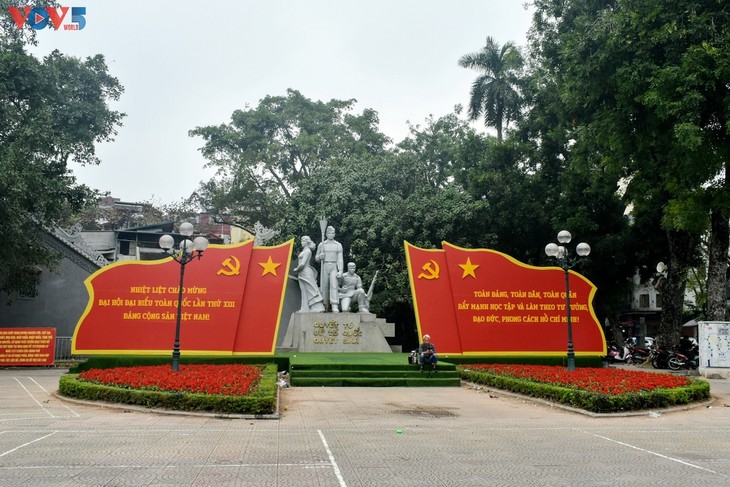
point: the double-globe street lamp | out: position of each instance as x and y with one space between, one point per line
187 251
560 253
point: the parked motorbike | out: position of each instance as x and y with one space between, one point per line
678 361
662 358
639 355
614 354
694 357
691 351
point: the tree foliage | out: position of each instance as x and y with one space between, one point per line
447 182
378 201
51 111
495 93
264 153
643 86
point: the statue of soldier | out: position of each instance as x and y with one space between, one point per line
329 253
351 290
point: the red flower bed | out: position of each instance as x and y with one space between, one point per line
228 380
602 380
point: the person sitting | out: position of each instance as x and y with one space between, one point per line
427 353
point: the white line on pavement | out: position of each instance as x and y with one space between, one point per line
332 460
26 444
62 404
40 386
24 418
655 453
33 397
323 465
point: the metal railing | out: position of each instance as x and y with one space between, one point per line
63 348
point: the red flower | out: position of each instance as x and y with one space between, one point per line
229 380
601 380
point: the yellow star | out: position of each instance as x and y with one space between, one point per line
469 268
269 267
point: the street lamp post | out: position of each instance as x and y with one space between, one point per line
187 251
560 253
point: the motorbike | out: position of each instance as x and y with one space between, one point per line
694 357
615 354
662 358
692 352
639 355
679 361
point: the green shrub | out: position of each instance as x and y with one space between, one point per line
261 401
697 390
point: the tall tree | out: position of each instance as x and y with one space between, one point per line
539 182
495 93
51 111
264 153
437 147
376 202
644 87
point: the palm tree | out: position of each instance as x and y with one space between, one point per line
494 93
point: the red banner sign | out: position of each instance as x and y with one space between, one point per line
27 346
231 304
483 302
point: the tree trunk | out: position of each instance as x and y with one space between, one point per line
617 333
680 249
717 264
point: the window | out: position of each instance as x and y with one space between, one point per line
658 300
643 301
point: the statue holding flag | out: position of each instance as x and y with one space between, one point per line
329 253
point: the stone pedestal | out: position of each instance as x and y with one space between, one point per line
337 332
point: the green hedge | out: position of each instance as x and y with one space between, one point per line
698 390
580 361
259 402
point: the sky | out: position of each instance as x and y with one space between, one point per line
186 64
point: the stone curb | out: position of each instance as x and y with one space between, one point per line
170 412
652 413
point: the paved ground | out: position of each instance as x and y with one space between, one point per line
357 437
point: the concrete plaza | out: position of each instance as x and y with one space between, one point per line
357 437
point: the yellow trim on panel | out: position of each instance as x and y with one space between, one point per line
281 300
408 245
258 354
90 288
528 266
560 353
183 352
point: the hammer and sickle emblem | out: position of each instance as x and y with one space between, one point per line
431 271
231 267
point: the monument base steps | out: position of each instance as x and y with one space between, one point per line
367 370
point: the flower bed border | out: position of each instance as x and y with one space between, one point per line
261 401
697 390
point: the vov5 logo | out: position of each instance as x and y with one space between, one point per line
39 17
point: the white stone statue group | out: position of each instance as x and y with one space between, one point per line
337 289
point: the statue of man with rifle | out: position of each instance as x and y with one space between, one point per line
351 290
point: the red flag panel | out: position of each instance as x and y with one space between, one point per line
262 303
480 301
503 305
133 305
432 298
